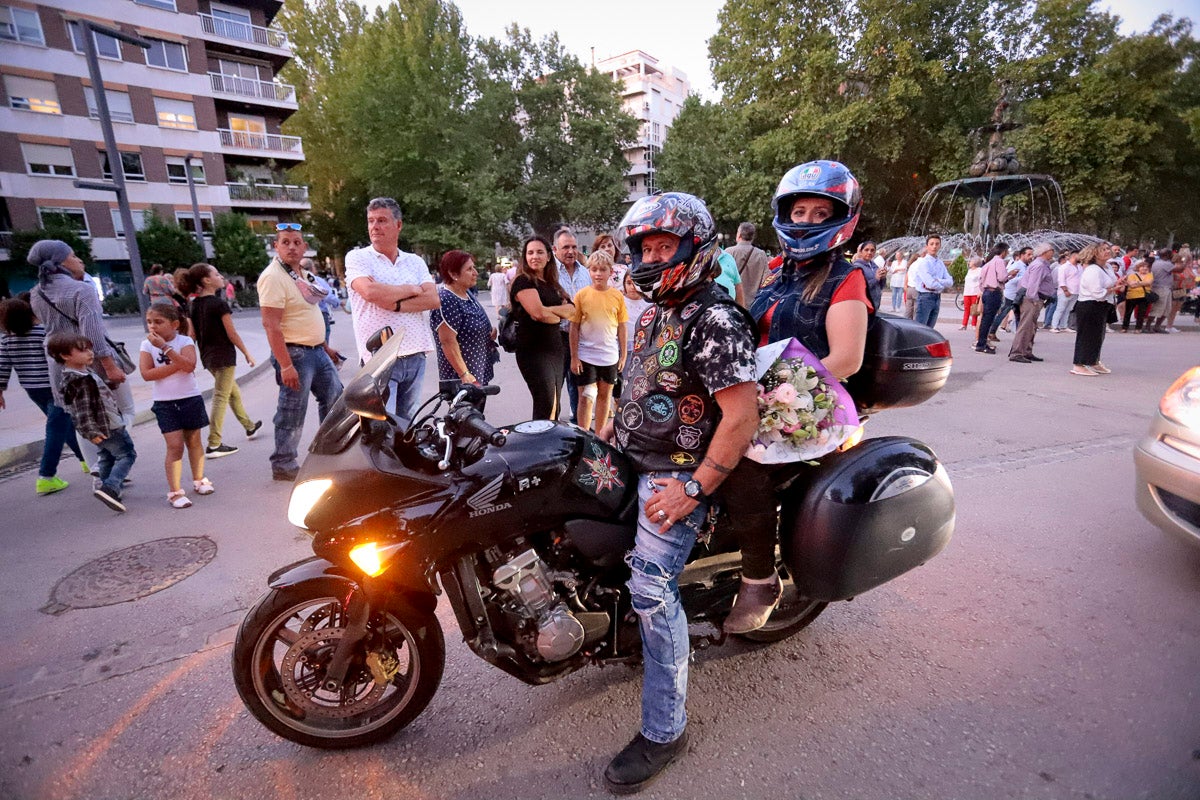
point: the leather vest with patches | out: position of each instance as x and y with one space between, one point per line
666 417
795 316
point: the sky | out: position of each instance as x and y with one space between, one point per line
676 32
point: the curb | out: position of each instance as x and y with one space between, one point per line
16 459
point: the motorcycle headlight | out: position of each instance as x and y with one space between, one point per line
1181 403
304 497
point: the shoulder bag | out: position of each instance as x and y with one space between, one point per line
120 354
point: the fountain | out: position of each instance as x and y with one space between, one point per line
996 203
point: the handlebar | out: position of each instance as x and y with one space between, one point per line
474 423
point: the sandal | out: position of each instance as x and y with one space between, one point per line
204 486
179 499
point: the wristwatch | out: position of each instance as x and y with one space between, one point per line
694 490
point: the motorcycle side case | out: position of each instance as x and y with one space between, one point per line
869 514
898 369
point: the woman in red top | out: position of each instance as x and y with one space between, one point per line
814 295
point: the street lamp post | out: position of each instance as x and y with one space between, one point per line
187 167
90 29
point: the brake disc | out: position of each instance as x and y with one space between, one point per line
303 671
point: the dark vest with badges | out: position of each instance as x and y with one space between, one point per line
666 417
795 317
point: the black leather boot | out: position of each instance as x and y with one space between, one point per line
641 762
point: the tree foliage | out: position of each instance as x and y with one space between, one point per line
237 250
166 242
54 226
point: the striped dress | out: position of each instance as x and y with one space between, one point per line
27 355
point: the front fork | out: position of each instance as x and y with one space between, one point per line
358 612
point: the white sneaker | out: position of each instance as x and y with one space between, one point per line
1174 330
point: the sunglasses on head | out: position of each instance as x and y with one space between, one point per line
288 226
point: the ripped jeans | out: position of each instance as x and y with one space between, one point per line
655 563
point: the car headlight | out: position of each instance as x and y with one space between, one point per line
304 497
1181 403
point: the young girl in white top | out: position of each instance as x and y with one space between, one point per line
635 304
168 360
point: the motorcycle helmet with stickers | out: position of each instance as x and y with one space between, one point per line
828 179
695 261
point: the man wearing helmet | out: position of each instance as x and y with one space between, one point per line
685 417
814 295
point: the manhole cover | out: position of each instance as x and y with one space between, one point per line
134 572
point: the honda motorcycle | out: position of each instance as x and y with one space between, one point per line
525 529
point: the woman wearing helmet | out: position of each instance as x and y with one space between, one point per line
686 415
814 295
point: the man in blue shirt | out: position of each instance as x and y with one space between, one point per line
932 279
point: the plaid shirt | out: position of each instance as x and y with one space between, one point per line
91 404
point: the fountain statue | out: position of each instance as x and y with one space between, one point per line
996 203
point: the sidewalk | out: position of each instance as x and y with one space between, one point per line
22 425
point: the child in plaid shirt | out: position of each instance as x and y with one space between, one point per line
93 407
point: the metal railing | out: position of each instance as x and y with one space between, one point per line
268 191
242 31
249 87
273 142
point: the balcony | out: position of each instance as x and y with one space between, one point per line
264 144
268 92
242 33
268 194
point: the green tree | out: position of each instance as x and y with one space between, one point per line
166 242
54 226
237 250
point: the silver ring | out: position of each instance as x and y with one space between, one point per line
662 515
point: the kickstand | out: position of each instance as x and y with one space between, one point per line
708 640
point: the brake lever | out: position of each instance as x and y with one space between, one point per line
444 464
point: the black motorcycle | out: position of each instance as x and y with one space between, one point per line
525 528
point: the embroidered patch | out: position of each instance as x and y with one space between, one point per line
689 310
640 388
603 475
647 316
668 333
669 381
691 409
622 438
770 277
688 437
659 407
683 459
631 416
669 354
639 341
650 365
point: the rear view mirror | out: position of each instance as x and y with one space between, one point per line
378 339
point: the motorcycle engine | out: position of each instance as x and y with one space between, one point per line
524 578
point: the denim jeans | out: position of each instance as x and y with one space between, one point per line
404 385
897 297
929 304
655 563
123 394
1005 307
59 431
318 376
115 459
1062 309
226 394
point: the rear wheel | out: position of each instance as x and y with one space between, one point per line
793 614
283 650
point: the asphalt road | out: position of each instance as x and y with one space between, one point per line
1049 652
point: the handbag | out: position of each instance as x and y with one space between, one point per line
977 309
1151 297
507 336
120 354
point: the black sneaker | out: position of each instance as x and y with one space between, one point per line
641 762
1036 358
285 475
220 451
991 351
1021 359
109 499
250 434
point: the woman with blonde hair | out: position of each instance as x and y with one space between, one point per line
1097 285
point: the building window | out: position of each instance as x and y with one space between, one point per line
179 114
177 170
131 164
168 55
119 107
106 46
232 24
31 94
165 5
139 221
184 218
46 159
20 25
69 216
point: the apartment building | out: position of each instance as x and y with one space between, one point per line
654 94
204 94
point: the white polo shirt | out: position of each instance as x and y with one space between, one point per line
408 268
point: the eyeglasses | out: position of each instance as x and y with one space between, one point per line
288 226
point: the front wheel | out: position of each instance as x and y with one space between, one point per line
284 647
958 300
794 613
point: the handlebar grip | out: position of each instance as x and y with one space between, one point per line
475 423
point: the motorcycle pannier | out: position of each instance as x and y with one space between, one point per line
905 363
868 514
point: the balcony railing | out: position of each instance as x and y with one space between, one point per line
248 87
242 32
268 192
271 142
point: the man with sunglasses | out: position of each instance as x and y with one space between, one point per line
392 288
291 316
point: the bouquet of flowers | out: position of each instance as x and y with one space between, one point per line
804 412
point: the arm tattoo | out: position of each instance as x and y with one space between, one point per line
708 462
